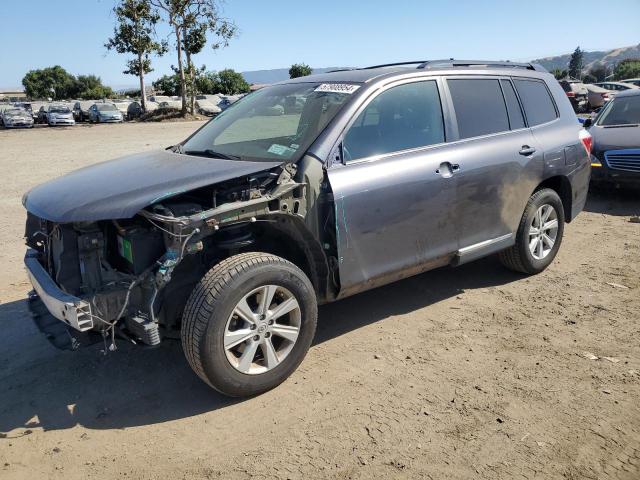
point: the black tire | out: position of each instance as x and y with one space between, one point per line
211 304
519 257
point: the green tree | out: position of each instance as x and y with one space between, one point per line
187 15
168 84
194 39
230 82
207 83
135 34
576 63
628 68
54 82
559 73
90 87
598 72
299 70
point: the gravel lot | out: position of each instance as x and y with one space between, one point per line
472 372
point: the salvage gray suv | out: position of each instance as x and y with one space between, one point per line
303 193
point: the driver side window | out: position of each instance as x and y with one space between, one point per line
400 118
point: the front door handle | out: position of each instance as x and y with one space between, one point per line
447 169
527 150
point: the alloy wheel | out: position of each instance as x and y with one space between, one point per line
543 231
262 329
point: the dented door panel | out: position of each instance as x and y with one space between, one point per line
393 214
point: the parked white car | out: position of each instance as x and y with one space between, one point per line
598 96
208 105
58 114
17 118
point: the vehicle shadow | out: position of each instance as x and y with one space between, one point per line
47 388
617 202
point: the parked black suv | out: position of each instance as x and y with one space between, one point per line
230 239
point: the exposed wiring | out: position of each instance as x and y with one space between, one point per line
178 235
184 244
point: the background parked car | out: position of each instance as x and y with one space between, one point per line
159 98
633 81
598 96
16 118
616 86
42 114
122 106
170 104
208 104
104 113
81 110
577 93
616 141
59 114
134 110
24 105
35 109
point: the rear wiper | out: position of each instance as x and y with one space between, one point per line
212 154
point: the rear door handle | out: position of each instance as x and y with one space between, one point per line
527 150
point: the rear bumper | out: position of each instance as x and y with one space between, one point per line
70 310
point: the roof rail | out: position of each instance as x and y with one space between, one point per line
433 64
398 64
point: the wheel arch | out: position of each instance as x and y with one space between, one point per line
288 237
562 186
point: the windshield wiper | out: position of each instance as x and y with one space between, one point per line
211 153
622 125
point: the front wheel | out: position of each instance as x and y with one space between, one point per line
539 234
249 323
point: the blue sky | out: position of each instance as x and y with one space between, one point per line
277 33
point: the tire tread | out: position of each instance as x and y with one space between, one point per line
199 307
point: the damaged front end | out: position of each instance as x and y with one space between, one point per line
130 278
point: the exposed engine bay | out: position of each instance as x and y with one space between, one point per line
136 274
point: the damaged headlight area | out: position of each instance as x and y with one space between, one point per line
130 278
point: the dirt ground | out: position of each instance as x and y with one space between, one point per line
472 372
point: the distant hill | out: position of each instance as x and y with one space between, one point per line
609 57
276 75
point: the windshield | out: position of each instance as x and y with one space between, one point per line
274 123
14 112
621 111
106 107
59 109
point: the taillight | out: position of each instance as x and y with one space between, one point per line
587 140
571 94
605 95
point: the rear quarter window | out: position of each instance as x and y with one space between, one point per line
479 106
536 100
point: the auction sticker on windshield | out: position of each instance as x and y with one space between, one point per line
337 88
281 150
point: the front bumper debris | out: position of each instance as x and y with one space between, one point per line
71 310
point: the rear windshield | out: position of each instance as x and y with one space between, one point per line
621 111
274 123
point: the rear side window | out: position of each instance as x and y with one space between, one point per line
536 100
403 117
516 119
479 107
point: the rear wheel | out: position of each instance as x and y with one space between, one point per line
249 323
539 234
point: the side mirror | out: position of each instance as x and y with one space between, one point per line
587 123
